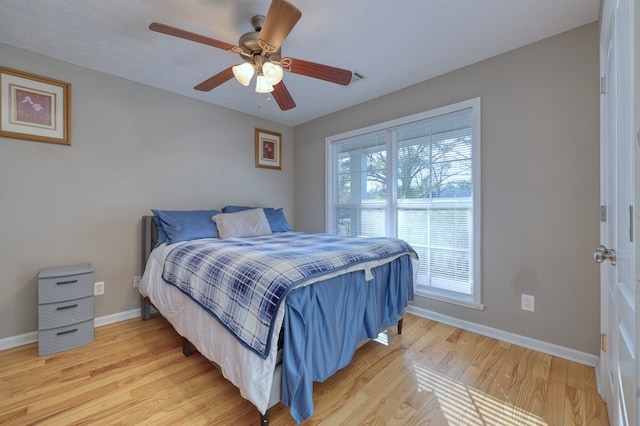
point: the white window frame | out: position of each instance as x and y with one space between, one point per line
471 301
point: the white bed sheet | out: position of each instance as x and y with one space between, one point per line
247 371
252 375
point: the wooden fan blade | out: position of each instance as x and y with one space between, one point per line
188 35
216 80
283 97
280 20
323 72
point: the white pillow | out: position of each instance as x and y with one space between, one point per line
247 223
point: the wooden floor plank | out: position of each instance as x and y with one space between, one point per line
134 373
556 391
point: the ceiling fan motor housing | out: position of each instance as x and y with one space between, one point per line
251 51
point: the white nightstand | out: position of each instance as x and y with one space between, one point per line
65 308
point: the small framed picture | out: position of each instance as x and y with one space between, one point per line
34 108
268 149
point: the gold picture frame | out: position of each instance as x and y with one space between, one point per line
34 107
268 149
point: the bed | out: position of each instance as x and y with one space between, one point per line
314 321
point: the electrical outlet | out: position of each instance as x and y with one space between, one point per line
528 303
136 281
98 288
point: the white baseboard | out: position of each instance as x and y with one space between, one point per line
19 340
505 336
122 316
24 339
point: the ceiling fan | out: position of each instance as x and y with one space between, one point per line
261 51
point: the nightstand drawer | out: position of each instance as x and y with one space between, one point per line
63 338
68 312
53 286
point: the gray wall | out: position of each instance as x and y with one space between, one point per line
133 148
540 180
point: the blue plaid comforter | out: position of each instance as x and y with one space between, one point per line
242 281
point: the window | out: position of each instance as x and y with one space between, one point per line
416 178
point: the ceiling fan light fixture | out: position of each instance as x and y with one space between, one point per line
262 86
243 73
272 73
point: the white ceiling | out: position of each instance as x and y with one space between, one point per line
395 44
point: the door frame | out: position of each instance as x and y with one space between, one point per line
603 47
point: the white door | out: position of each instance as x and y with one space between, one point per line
618 291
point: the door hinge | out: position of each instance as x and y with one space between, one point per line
603 342
631 223
603 213
603 89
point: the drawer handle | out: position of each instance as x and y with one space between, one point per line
66 332
66 282
67 307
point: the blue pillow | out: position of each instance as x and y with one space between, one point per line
235 209
276 218
162 236
185 225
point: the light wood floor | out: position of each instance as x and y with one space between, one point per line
135 374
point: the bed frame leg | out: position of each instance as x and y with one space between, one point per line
145 308
264 418
186 347
400 325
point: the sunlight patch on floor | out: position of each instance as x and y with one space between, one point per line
463 405
382 338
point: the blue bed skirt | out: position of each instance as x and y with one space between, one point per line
324 322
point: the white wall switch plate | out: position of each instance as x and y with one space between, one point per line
98 288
